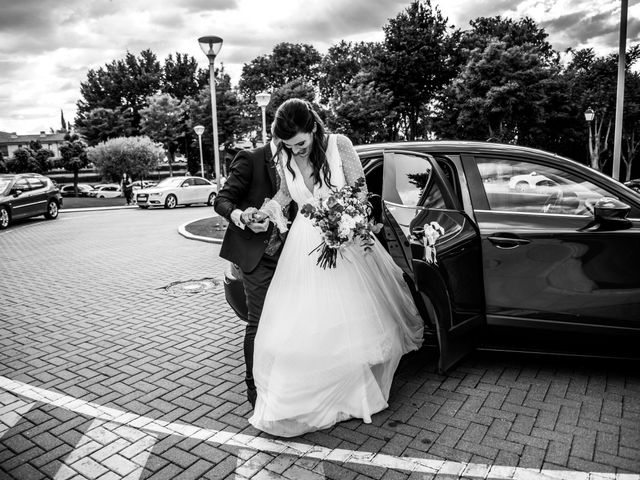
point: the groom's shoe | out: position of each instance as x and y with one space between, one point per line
252 394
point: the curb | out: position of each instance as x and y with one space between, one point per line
94 209
182 230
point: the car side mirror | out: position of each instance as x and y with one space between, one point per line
16 192
609 214
610 209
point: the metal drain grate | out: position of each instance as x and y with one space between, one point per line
193 287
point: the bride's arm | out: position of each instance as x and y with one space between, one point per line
274 207
351 164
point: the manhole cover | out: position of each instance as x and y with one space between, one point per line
192 287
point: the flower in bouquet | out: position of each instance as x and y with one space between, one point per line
344 218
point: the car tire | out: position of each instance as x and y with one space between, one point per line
5 218
144 207
52 210
522 186
171 202
212 198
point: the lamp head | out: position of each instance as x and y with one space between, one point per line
263 99
589 114
199 129
211 46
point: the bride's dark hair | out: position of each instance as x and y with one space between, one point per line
295 116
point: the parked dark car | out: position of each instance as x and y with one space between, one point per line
551 268
27 195
84 190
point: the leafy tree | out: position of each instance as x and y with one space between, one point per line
182 78
500 95
342 63
33 158
287 62
363 112
164 122
122 84
100 124
134 155
232 120
594 84
514 33
416 62
73 156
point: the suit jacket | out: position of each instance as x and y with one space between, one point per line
251 179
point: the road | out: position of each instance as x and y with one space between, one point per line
109 371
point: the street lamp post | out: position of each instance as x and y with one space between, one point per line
589 115
199 129
211 45
263 100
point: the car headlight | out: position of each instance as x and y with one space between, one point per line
155 194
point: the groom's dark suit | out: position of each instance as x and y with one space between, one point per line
252 178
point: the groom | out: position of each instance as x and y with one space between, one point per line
253 246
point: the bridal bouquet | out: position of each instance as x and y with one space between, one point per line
343 219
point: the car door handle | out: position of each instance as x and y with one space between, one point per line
503 241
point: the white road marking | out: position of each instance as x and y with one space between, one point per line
12 409
281 447
108 447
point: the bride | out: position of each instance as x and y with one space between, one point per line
329 340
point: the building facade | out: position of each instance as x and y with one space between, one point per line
10 142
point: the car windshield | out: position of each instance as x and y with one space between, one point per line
171 182
4 183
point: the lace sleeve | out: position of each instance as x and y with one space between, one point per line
351 164
276 206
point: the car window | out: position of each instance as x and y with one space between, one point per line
523 186
200 181
21 184
35 183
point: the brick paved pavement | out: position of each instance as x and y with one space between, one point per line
103 374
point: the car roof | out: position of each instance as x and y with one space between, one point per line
15 175
453 146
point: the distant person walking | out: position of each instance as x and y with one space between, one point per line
127 188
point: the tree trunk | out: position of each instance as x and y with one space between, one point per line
75 182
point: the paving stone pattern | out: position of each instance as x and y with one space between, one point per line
84 313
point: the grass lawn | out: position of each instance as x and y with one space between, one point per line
213 227
90 202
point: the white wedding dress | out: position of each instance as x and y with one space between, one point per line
329 340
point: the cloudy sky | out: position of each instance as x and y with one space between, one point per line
47 47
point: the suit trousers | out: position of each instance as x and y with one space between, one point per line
256 283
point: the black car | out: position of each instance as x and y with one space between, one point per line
27 195
551 268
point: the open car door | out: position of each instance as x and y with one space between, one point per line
415 193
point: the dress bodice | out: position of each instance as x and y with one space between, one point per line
298 189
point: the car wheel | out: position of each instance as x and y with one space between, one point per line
522 186
212 198
52 210
5 219
101 196
171 202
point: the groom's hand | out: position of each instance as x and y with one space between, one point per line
255 220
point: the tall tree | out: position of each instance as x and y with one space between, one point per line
417 60
287 62
101 124
73 156
164 122
232 120
342 63
182 78
122 84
